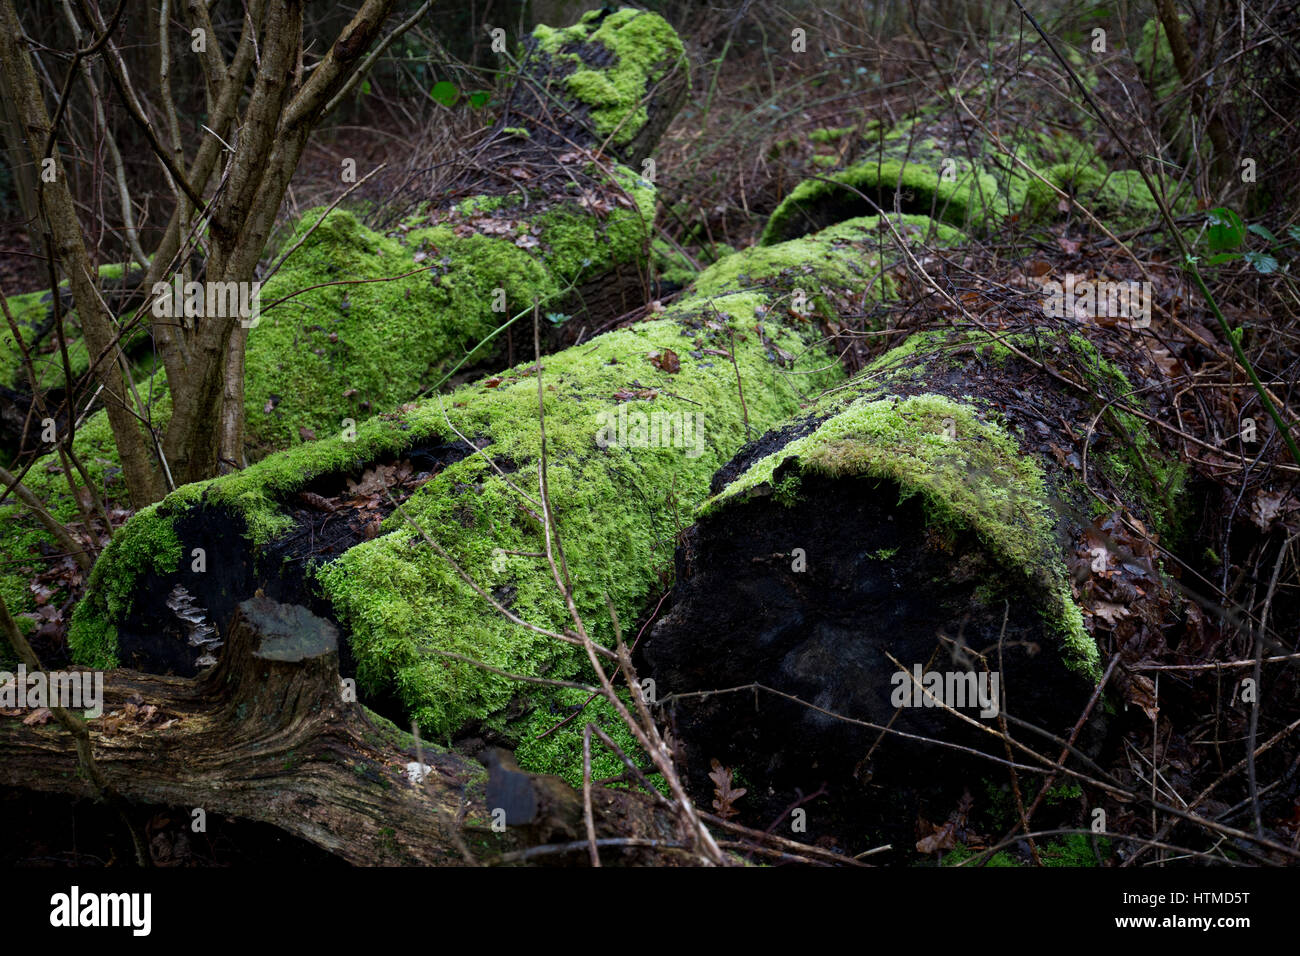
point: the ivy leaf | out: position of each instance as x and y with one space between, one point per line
445 93
1262 261
365 87
1227 231
479 98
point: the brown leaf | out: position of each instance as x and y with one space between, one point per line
724 794
374 480
1141 690
306 434
1109 612
38 718
666 360
943 838
1267 508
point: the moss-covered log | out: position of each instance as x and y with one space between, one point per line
268 736
932 516
637 420
357 320
954 162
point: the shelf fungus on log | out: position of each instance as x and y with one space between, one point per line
637 421
913 541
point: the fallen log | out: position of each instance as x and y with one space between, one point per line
637 420
355 321
268 735
884 583
950 161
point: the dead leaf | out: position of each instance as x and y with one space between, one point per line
724 794
666 360
38 718
1109 612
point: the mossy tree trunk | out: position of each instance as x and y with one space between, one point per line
935 516
637 420
357 321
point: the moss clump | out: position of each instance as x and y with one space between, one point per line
1120 199
644 48
945 188
560 750
361 340
1155 61
671 266
342 350
830 134
33 313
614 506
818 257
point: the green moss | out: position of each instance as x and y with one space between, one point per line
33 314
644 47
962 855
1120 199
1155 61
1073 849
969 472
819 258
560 751
618 506
961 197
786 491
615 509
830 135
671 265
340 351
146 544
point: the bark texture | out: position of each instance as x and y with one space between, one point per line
266 736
